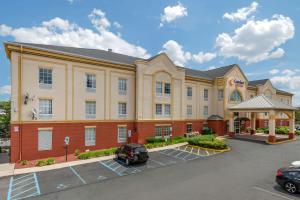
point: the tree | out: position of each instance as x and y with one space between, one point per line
297 116
5 119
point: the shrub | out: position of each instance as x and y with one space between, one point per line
97 153
77 152
50 161
23 162
297 133
154 140
208 141
41 163
207 131
155 145
179 139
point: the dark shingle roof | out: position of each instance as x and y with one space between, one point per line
219 72
197 73
284 92
90 53
215 117
257 82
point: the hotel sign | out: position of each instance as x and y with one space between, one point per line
237 83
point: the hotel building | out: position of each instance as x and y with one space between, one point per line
101 99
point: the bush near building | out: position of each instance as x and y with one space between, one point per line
97 153
281 130
208 141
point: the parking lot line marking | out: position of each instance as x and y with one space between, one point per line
272 193
74 171
155 161
18 183
23 186
37 184
10 188
107 166
199 151
207 152
15 179
23 192
181 152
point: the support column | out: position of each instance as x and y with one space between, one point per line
253 123
231 124
292 126
272 126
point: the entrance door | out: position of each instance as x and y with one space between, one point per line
237 126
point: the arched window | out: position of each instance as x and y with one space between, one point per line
236 96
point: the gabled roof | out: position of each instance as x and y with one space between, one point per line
262 103
215 117
219 72
257 82
197 73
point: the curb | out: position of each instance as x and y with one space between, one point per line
282 142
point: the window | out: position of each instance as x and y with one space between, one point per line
44 140
122 137
266 114
189 128
205 94
189 92
189 110
122 86
266 123
167 131
220 95
167 109
288 101
122 110
45 78
91 82
158 109
90 136
167 89
90 109
158 132
45 108
159 88
236 96
205 110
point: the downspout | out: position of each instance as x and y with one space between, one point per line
20 103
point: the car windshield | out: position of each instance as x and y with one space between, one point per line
140 149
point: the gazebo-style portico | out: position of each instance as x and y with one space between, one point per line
264 104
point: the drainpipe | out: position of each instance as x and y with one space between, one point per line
20 101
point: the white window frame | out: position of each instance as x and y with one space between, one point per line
156 109
45 111
189 92
47 72
90 136
159 88
158 132
165 89
167 107
205 94
45 144
92 86
122 84
89 112
189 110
220 94
167 131
122 134
122 109
189 126
205 110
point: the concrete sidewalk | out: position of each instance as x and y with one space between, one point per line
8 169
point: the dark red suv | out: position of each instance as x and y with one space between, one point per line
132 153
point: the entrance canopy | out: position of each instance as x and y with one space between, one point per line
264 104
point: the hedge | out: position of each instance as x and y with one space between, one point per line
97 153
49 161
208 141
281 130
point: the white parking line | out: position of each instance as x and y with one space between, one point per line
155 161
272 193
74 171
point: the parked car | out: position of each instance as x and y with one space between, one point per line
289 178
132 153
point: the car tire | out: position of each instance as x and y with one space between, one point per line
127 162
290 187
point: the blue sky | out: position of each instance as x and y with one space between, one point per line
261 36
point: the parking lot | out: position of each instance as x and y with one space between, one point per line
41 183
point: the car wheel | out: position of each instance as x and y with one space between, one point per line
290 187
117 156
127 162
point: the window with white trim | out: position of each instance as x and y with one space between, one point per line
220 94
205 110
45 108
90 109
189 92
122 136
205 95
90 136
122 86
44 140
189 128
159 88
167 110
167 131
189 110
158 109
167 89
45 78
122 109
158 132
91 82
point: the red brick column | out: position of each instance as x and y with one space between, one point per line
272 138
291 136
253 132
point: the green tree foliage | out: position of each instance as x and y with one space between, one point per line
298 116
5 119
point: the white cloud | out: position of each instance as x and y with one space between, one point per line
274 71
242 13
288 72
6 89
172 13
59 31
117 25
71 1
180 57
257 40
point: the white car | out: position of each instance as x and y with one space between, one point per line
296 163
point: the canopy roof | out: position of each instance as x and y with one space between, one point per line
262 103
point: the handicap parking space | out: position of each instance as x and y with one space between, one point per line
197 150
180 154
119 167
23 186
59 179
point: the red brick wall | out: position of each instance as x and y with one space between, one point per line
260 122
106 136
218 126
